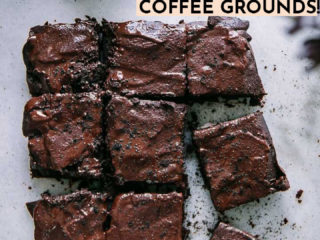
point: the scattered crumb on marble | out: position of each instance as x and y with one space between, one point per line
284 222
299 195
251 223
47 192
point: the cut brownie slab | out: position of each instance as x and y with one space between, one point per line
239 161
220 60
145 139
78 216
147 59
65 135
227 232
64 58
147 216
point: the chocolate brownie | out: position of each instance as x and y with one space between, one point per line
145 139
220 60
239 161
147 59
64 58
227 232
77 216
65 135
147 216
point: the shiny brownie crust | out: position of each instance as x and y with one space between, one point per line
64 58
65 135
146 59
145 140
147 216
77 216
239 161
220 60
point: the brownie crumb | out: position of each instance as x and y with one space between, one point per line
47 192
284 222
251 224
299 195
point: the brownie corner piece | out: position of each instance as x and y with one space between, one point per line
220 60
239 161
140 216
65 135
226 232
64 58
145 140
147 59
73 216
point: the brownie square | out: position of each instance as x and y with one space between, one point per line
147 216
220 60
227 232
64 58
145 140
239 161
65 135
147 59
77 216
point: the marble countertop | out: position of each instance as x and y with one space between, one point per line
291 111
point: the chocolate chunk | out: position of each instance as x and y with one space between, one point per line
227 232
220 61
64 58
77 216
65 135
147 216
239 161
145 139
147 59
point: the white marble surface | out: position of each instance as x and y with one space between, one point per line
291 111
